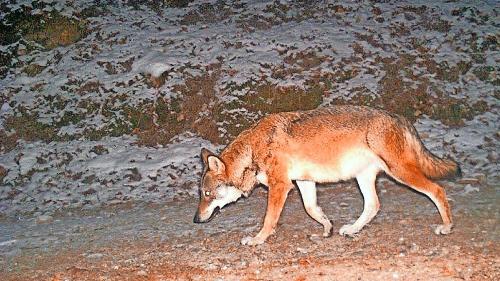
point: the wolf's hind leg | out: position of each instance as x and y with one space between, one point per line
308 193
414 178
366 182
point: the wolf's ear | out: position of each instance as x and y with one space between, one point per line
215 164
204 155
212 161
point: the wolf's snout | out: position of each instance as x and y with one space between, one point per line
198 219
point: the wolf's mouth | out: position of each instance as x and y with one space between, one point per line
198 220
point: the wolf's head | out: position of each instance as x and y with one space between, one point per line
215 191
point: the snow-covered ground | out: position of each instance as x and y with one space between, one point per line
86 94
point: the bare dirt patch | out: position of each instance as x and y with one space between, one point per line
160 242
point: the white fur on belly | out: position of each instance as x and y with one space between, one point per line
349 164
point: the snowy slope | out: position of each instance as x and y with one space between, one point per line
246 43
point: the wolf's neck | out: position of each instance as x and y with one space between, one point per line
239 164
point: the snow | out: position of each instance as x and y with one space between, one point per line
69 169
168 42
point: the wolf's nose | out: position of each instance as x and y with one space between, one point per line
196 218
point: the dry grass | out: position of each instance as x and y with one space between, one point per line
198 108
404 98
208 13
52 30
24 126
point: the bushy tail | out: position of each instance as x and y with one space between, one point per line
432 166
436 168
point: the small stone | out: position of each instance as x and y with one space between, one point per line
44 219
445 251
414 248
343 204
8 242
3 173
422 135
21 50
315 238
142 273
468 181
469 188
431 252
480 177
210 266
492 156
302 250
95 256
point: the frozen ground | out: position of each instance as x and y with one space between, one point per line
172 78
160 242
102 122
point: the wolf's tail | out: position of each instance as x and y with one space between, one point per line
431 165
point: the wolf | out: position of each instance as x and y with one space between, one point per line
322 146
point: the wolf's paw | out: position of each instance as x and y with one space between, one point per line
348 230
443 229
252 241
328 231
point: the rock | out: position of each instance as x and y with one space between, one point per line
315 238
492 156
343 204
468 181
445 251
8 242
210 266
480 177
115 202
21 50
142 273
469 188
95 256
414 248
302 250
44 219
401 241
3 173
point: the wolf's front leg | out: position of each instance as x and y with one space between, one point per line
276 200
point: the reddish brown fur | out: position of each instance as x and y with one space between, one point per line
324 138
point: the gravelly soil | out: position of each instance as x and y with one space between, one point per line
160 242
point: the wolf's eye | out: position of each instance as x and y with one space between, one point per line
207 193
